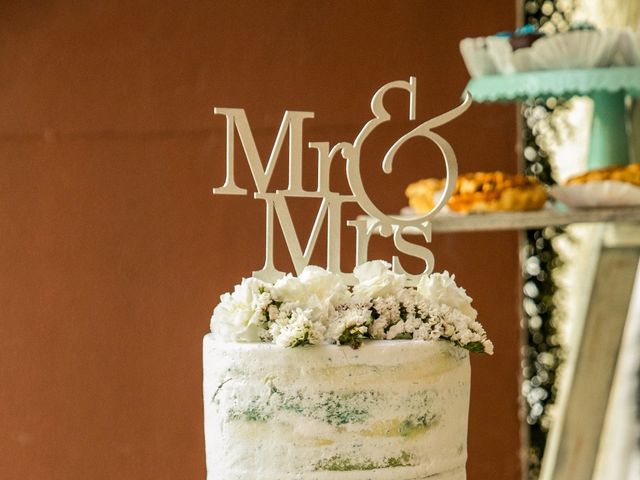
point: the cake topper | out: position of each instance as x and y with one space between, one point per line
331 204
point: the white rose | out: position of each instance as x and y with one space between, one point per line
375 279
324 285
441 288
237 317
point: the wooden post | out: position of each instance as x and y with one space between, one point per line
575 439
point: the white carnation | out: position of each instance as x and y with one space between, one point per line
239 316
317 291
375 279
289 289
324 285
441 288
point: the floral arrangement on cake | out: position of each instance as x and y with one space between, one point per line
319 308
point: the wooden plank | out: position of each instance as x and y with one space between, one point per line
618 445
551 216
576 434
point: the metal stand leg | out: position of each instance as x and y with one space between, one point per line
609 142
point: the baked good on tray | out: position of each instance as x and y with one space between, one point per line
481 192
627 173
617 186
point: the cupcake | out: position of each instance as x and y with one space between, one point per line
476 57
578 48
510 50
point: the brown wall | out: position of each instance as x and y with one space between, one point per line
113 250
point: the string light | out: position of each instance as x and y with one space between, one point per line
542 352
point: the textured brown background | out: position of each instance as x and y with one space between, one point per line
113 250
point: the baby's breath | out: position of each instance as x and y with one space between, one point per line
304 315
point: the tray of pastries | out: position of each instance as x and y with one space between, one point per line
606 187
480 192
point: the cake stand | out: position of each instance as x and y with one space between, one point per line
608 87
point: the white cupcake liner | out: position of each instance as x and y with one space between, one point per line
630 46
577 49
571 50
506 59
605 193
476 57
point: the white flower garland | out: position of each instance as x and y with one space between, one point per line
318 308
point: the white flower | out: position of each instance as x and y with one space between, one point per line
488 346
289 289
422 332
377 328
412 323
395 330
313 282
388 308
349 323
273 312
239 316
442 288
316 288
375 279
299 330
324 285
319 308
449 330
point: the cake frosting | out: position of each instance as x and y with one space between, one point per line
390 410
308 378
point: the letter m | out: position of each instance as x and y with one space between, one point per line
237 121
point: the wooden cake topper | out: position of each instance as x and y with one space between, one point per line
331 205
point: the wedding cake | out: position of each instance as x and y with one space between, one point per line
309 379
331 375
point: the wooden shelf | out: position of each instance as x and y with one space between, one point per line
551 216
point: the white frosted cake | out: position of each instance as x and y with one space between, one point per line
390 410
310 379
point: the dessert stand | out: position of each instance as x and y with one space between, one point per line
574 445
607 294
607 87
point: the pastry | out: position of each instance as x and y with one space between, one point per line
627 173
481 192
